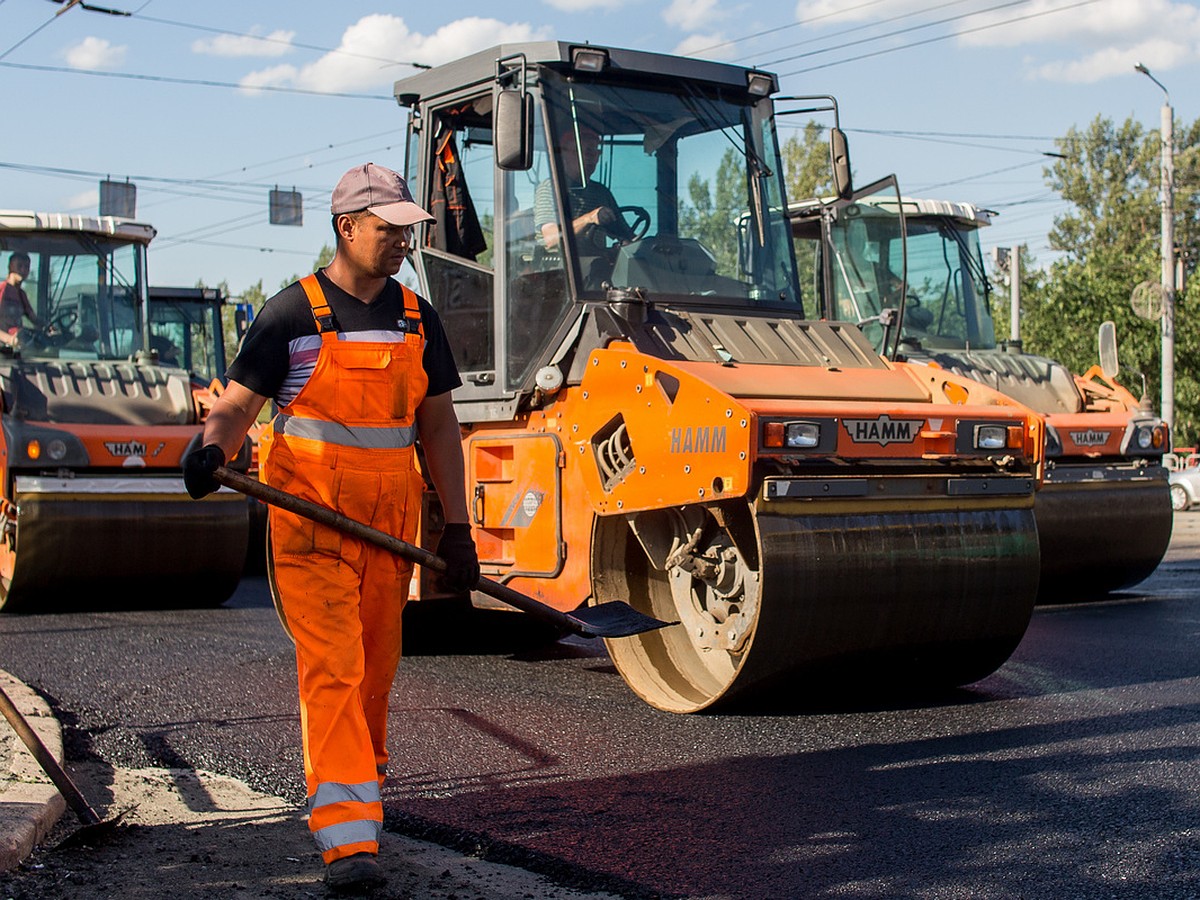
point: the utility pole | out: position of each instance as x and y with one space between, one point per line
1014 274
1167 197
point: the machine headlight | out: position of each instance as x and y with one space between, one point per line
793 435
56 450
1144 437
759 84
589 59
991 437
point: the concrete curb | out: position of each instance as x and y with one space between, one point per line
30 804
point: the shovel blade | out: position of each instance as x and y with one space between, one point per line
94 833
614 619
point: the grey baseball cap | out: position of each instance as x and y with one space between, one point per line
380 190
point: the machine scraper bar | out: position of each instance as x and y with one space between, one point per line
607 620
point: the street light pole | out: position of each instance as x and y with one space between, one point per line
1167 194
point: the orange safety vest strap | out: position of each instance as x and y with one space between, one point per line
412 315
320 306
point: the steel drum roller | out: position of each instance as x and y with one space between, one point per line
146 550
1082 556
770 602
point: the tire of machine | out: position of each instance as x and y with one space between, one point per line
910 599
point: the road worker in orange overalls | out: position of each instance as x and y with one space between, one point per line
359 367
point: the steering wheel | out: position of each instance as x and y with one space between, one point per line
53 333
641 220
61 323
917 315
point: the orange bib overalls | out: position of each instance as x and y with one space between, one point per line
346 442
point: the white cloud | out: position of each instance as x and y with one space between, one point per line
369 43
692 15
1113 61
707 46
276 76
94 53
1110 22
1099 40
1080 42
89 201
573 6
277 43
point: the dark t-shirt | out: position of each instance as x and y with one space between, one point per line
285 323
14 306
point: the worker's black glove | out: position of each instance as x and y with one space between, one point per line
462 562
198 468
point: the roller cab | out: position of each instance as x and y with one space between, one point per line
95 420
650 415
1103 514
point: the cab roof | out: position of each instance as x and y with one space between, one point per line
480 68
108 226
914 207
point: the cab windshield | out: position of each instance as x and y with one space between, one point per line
946 298
674 194
83 291
948 289
187 333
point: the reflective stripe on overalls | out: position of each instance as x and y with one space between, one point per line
346 442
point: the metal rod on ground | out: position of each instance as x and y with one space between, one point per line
612 619
46 760
93 828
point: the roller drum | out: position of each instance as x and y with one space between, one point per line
929 598
130 551
1100 537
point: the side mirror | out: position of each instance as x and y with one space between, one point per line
513 129
839 149
1108 350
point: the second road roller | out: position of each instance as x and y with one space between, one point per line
100 398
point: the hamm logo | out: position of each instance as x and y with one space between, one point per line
125 448
883 431
1089 438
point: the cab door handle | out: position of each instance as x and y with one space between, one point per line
477 505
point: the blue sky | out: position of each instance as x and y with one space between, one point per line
207 106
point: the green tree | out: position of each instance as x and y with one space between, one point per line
1109 242
712 216
808 174
807 165
255 296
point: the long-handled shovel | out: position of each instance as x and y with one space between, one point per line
94 828
607 620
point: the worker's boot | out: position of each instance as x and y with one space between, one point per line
353 874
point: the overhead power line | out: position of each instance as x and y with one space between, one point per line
930 187
202 82
28 36
947 140
941 37
898 132
273 40
189 182
866 25
797 24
